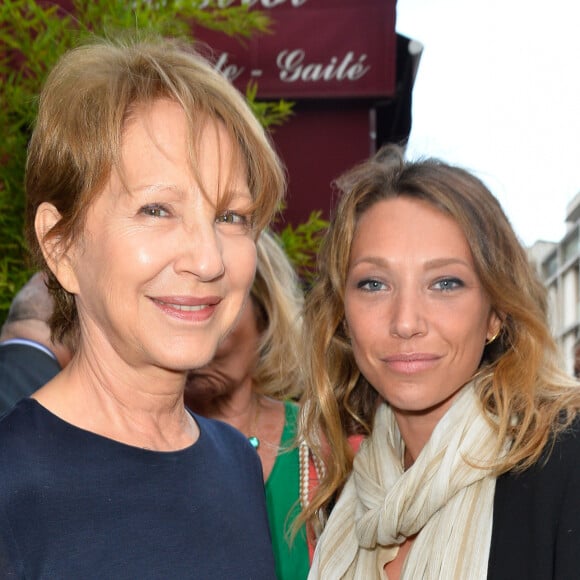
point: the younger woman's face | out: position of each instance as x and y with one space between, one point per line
416 312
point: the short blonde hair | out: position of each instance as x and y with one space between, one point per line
83 110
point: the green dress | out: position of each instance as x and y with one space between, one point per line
282 495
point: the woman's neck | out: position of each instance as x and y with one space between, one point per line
415 431
144 410
239 407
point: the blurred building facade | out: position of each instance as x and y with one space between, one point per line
559 267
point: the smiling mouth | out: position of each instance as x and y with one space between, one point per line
184 308
410 357
411 363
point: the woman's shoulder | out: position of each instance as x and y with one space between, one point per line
567 445
536 515
28 444
558 464
218 436
22 422
564 446
228 451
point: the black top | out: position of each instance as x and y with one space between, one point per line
77 505
24 368
536 520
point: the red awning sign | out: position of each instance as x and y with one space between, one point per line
318 48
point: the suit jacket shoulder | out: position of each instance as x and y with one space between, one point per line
536 519
23 370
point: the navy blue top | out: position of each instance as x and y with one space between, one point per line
74 504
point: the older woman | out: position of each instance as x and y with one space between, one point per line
251 384
429 334
148 180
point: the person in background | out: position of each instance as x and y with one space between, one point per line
251 384
29 358
148 182
428 332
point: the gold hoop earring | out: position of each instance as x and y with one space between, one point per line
490 340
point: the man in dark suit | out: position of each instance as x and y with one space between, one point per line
28 356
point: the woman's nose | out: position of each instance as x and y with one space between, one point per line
408 314
201 252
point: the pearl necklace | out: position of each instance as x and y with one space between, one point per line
304 456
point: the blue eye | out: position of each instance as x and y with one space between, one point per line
154 210
233 218
370 285
447 284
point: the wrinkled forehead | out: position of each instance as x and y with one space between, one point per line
202 140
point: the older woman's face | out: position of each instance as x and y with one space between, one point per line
160 275
417 314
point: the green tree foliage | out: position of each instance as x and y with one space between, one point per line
301 243
34 34
269 113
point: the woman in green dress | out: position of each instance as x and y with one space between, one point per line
252 383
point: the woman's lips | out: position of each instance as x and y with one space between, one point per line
187 308
409 363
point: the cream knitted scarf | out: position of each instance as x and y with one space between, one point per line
442 496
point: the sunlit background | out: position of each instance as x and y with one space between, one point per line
498 92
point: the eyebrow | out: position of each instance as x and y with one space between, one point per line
429 264
241 194
155 188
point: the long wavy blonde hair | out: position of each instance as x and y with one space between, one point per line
278 298
520 374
